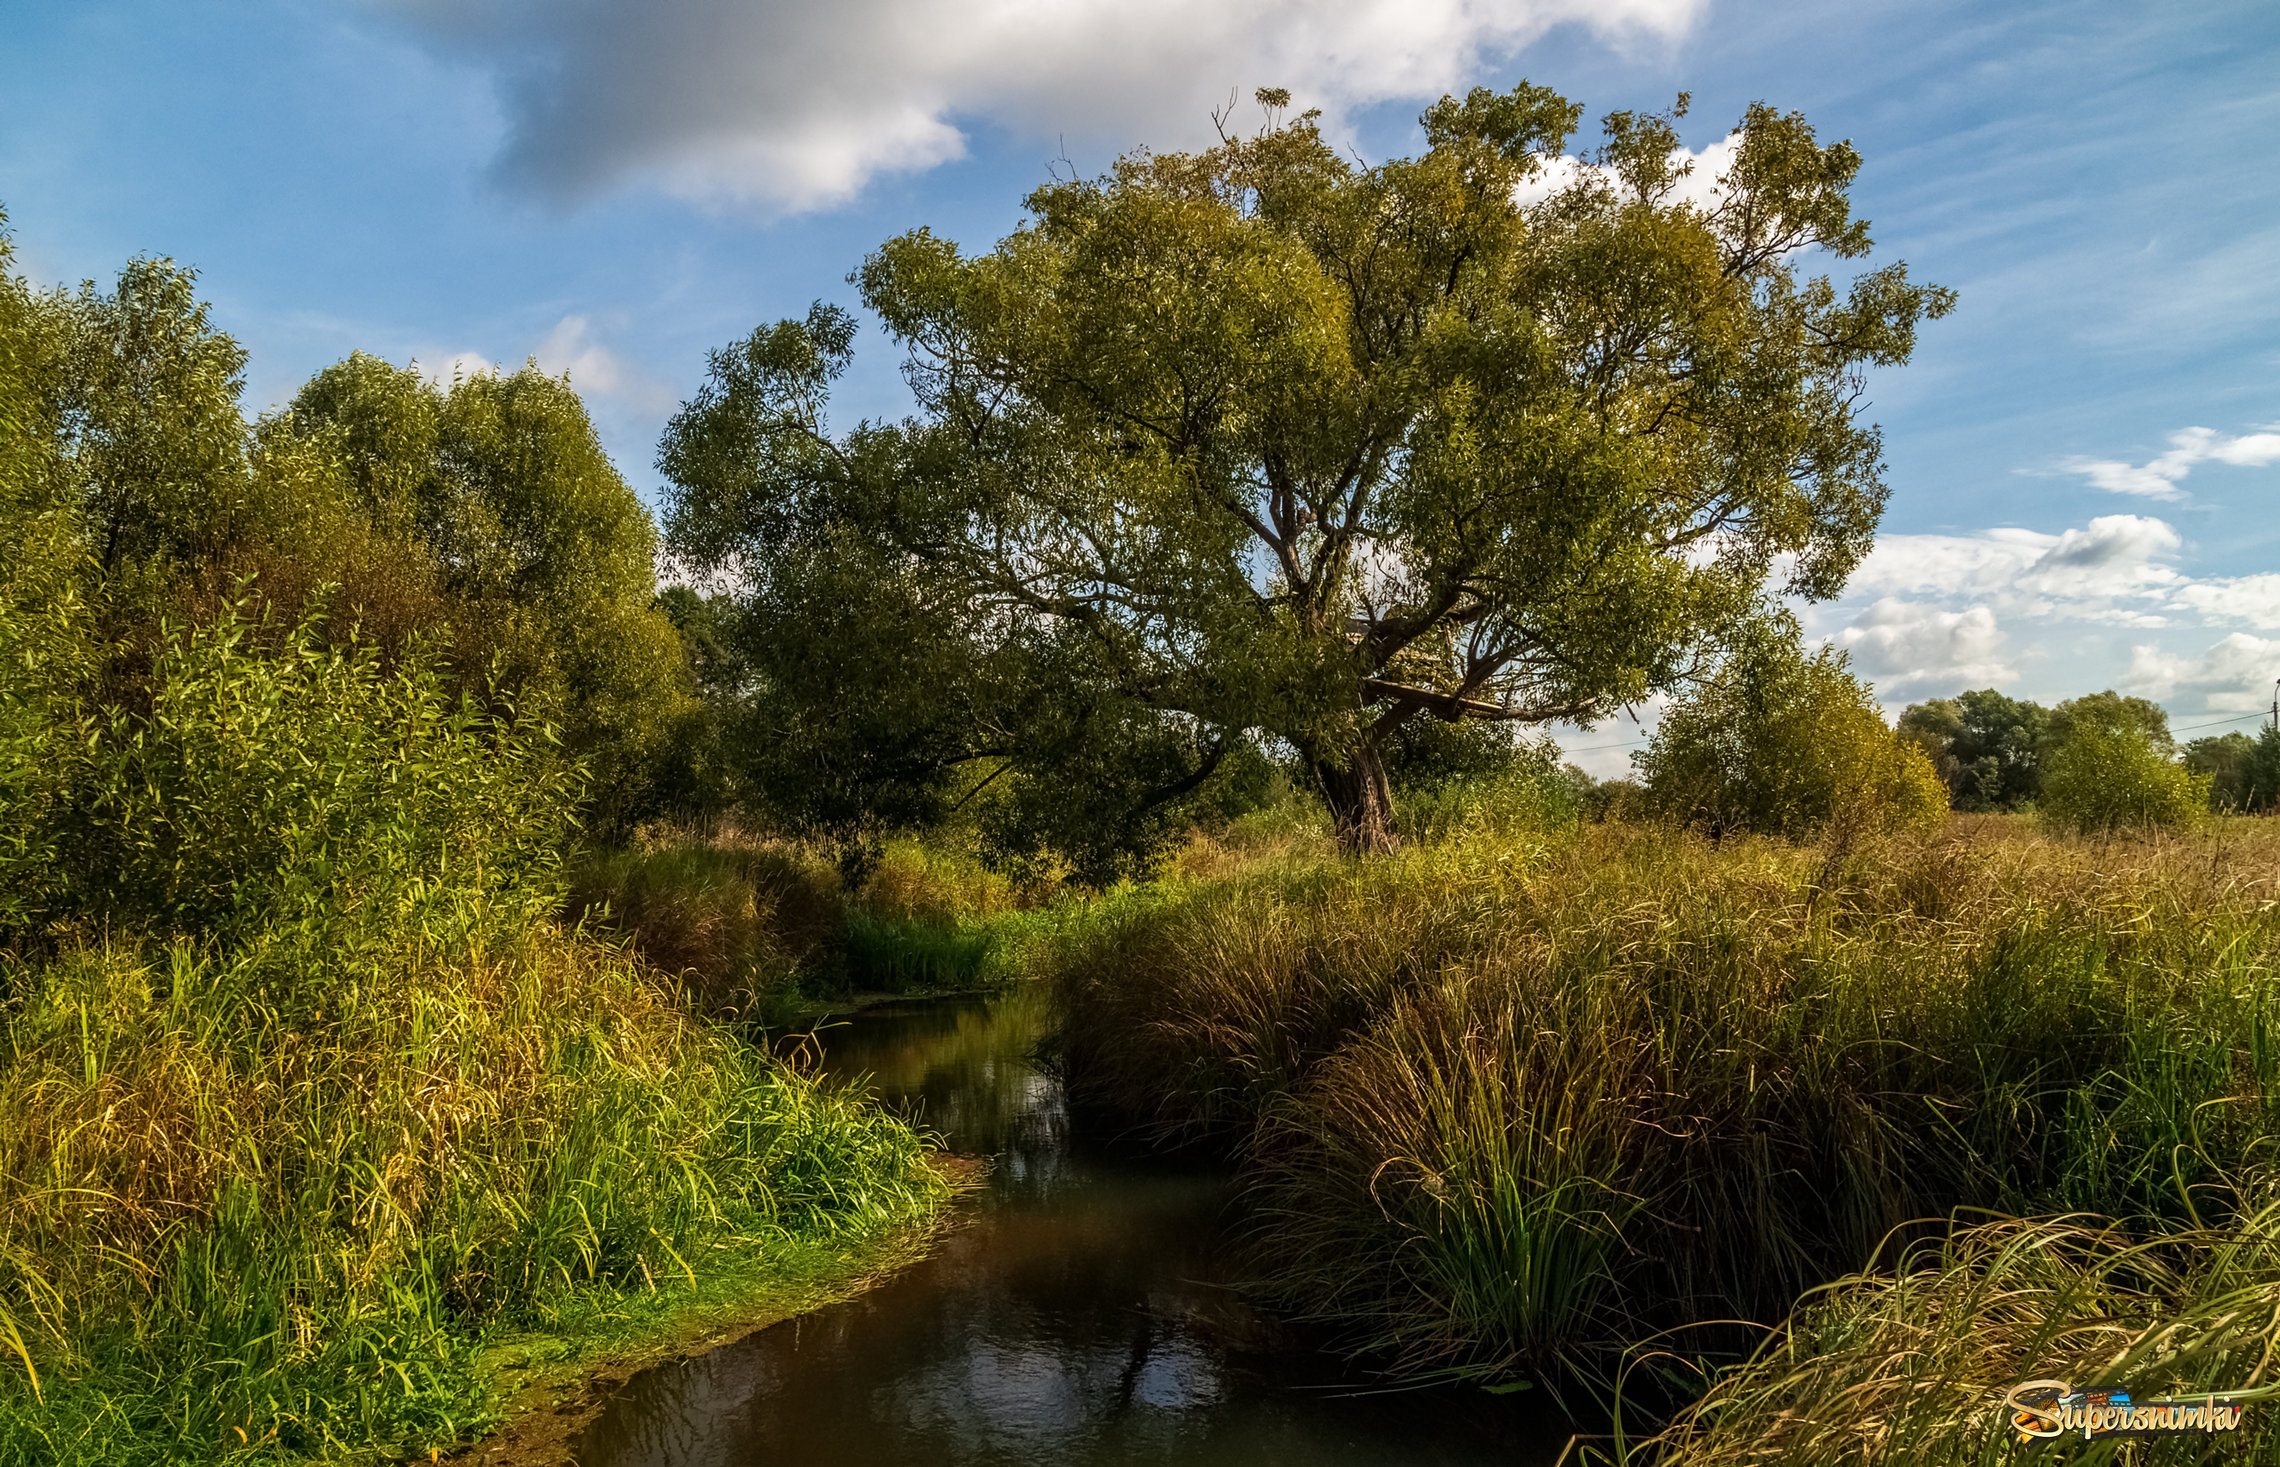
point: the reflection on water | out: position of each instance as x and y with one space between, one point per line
1081 1319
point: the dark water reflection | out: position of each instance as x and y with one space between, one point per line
1082 1318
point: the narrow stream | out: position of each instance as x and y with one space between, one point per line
1081 1317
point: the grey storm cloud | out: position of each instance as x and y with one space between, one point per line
787 105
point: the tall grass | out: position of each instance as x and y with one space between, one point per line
760 929
1909 1364
1511 1102
228 1227
303 1100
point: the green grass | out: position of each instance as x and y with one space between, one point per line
307 1107
1509 1103
764 930
232 1232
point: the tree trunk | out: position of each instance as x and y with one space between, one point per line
1360 800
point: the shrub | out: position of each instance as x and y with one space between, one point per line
1784 743
305 1100
307 790
1525 790
2112 780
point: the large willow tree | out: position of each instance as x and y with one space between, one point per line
1259 440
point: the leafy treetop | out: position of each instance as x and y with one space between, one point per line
1260 440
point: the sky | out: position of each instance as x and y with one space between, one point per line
2082 459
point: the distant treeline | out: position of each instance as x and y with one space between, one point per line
1996 753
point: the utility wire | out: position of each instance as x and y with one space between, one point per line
2220 723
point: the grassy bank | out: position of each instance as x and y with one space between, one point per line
308 1108
1512 1101
236 1230
763 930
1907 1363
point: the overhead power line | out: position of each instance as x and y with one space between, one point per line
2220 723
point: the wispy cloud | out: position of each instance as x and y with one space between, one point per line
2234 676
1908 647
2163 476
794 104
573 348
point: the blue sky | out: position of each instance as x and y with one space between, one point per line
2083 459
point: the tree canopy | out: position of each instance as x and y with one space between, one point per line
2244 773
483 517
1986 747
543 558
2111 775
1260 441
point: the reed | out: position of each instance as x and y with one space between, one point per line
1513 1101
764 930
1909 1363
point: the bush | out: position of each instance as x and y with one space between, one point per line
304 1098
307 790
1525 789
2114 781
1782 743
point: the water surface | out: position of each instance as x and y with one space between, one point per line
1081 1317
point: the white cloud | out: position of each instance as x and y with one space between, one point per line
442 368
2112 570
794 104
1697 186
2233 676
1905 646
595 370
2163 476
2251 599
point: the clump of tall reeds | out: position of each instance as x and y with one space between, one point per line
758 928
1910 1364
740 923
1509 1103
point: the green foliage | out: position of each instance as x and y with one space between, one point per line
483 518
305 789
1425 753
2110 778
543 553
1985 747
2244 773
47 646
1518 788
1257 440
1778 741
304 1098
142 398
2109 713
